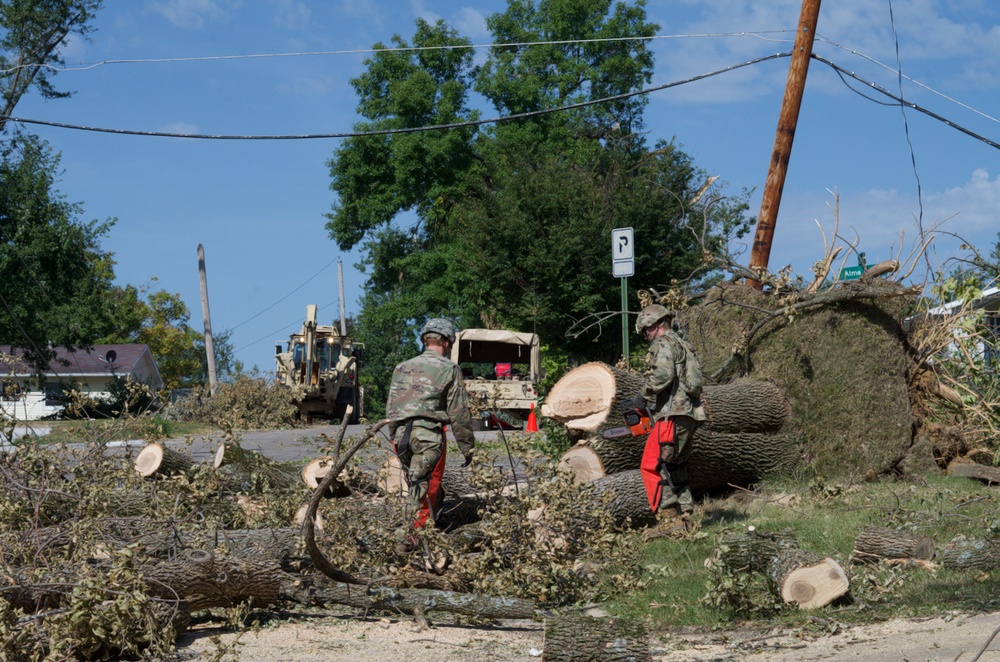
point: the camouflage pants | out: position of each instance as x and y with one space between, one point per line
677 466
425 450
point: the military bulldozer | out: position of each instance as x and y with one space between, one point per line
501 371
320 364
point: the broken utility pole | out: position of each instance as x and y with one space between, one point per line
794 87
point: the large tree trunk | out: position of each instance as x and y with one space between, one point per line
586 639
975 554
746 405
717 459
204 582
875 543
624 496
589 398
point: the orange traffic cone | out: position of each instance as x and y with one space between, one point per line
532 421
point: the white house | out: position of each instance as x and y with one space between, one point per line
26 397
989 303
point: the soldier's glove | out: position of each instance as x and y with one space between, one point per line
638 402
468 461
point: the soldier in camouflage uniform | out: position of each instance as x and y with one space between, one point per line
672 368
426 393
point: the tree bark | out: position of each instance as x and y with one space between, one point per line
158 460
981 472
717 459
746 405
875 543
975 554
586 639
318 592
624 496
204 581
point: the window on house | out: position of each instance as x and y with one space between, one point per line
54 395
10 391
991 340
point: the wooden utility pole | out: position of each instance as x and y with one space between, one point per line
797 70
209 347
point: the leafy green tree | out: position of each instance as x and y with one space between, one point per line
31 32
55 281
510 226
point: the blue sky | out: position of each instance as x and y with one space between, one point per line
257 207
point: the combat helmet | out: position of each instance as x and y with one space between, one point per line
650 315
440 326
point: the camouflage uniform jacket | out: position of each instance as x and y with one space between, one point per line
667 359
428 388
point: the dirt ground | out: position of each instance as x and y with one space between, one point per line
954 638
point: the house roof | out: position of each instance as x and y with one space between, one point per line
92 361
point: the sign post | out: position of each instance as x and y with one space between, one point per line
623 266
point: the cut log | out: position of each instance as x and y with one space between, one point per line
875 543
974 554
624 496
319 592
798 576
254 471
583 463
583 638
808 582
589 397
158 460
746 405
316 470
717 459
981 472
205 582
454 483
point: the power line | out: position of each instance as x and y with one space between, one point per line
389 132
909 104
271 335
759 34
286 296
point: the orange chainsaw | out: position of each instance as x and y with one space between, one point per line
637 424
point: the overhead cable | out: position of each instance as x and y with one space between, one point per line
759 34
389 132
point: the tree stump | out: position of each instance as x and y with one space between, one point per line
158 460
587 639
454 483
875 543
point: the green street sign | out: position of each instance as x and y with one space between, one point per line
851 273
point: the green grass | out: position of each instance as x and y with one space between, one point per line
825 519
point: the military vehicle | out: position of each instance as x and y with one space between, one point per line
320 364
501 370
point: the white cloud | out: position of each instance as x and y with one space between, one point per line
192 14
292 14
471 23
885 220
360 9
